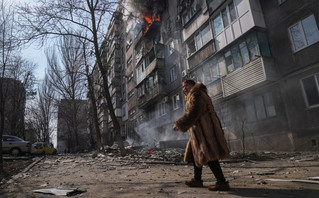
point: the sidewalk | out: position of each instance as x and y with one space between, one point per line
132 176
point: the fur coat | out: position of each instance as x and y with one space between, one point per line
207 141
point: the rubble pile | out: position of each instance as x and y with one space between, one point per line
155 155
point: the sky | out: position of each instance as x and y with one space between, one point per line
37 56
33 53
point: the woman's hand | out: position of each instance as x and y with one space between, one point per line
175 128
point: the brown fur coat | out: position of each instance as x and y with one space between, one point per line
207 141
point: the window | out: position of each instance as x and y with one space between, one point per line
223 20
140 91
176 102
171 47
162 108
211 71
311 90
132 112
129 61
304 33
128 44
130 77
130 94
218 25
232 12
260 107
199 40
173 75
190 13
242 53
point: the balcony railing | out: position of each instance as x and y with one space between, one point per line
152 95
260 70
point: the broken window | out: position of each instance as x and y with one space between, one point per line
311 90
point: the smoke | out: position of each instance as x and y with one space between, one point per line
151 134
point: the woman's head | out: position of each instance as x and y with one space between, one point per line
187 85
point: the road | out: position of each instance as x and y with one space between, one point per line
145 176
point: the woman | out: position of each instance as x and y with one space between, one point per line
207 143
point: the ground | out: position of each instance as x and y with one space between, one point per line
162 174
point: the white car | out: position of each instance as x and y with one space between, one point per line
15 146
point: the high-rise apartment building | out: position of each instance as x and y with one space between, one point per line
258 58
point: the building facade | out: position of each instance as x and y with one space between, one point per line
72 131
258 59
13 101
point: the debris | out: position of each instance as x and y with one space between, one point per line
313 178
307 159
294 180
262 182
182 192
266 173
59 192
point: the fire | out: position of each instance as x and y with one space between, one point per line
149 18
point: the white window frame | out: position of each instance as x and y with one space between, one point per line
302 30
162 109
199 35
176 101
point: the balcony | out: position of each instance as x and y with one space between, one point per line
202 54
158 91
257 72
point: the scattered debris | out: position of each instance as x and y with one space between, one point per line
59 192
266 173
313 178
294 180
261 182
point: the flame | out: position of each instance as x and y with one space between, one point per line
149 19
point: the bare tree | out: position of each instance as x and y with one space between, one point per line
84 19
15 76
90 81
41 112
66 76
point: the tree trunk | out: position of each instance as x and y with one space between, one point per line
116 124
94 108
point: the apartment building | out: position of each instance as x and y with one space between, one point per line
72 131
258 59
245 52
14 101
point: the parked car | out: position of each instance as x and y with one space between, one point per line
15 146
43 148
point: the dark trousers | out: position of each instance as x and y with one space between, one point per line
214 167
